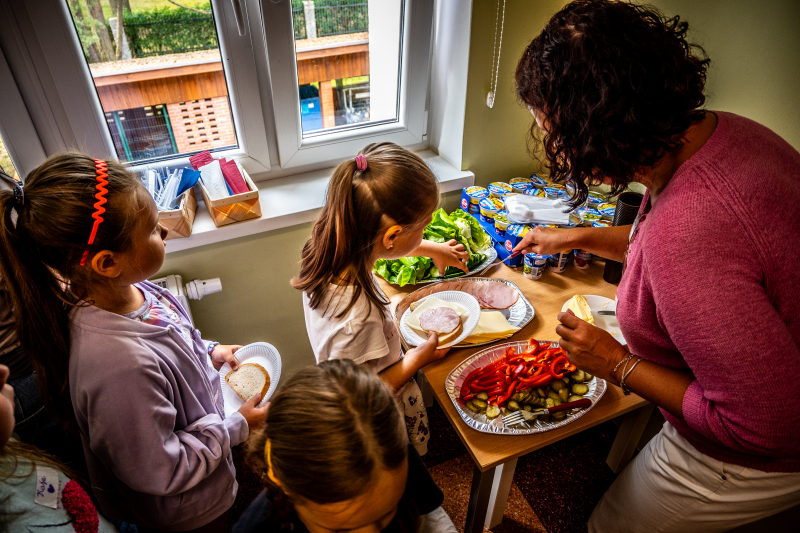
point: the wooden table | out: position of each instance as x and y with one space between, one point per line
495 456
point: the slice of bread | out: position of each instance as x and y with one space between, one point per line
453 335
248 380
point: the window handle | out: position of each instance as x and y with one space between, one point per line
237 13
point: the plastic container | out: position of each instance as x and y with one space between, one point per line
601 224
558 262
607 210
472 197
535 192
534 266
499 189
501 223
552 192
538 181
595 199
488 208
588 215
582 259
518 230
523 188
512 181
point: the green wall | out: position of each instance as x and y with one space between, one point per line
256 303
755 71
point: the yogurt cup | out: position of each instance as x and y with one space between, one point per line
588 215
488 208
517 230
595 199
499 189
558 262
533 266
601 224
523 188
476 194
582 259
512 181
501 223
535 192
538 181
552 192
607 210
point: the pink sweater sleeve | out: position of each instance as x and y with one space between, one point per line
713 299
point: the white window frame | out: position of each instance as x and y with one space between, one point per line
261 75
75 108
410 128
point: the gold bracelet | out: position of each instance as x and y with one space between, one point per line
622 361
625 390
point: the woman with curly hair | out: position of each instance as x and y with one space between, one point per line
709 300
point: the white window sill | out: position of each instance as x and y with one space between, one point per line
295 200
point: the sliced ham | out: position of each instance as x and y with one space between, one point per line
498 296
442 320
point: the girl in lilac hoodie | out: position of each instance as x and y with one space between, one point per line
116 357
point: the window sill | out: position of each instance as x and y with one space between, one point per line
296 200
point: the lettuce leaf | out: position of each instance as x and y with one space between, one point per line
443 227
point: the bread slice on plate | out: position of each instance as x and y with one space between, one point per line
248 380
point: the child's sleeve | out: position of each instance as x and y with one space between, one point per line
132 431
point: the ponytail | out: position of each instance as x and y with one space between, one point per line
42 240
394 183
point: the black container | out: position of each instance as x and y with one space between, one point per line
628 205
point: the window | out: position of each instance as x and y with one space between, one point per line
280 85
358 74
158 75
6 165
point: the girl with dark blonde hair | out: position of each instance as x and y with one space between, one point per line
377 207
335 457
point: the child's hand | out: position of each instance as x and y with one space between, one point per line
450 254
255 416
223 353
427 352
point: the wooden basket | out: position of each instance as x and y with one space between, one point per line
179 221
234 208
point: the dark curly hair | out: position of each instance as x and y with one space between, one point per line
617 84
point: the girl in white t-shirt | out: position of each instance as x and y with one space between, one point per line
377 207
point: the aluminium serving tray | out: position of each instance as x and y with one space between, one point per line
478 422
518 315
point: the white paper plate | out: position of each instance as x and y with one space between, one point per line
608 323
468 324
260 353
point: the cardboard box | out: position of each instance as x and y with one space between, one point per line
236 208
179 221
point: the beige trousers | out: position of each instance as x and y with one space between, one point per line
670 486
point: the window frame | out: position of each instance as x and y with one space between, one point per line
411 126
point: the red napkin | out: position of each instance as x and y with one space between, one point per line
230 171
201 159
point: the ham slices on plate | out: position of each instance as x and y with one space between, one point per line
491 295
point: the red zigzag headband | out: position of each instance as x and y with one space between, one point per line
102 181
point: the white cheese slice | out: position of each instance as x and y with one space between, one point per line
580 307
431 303
491 326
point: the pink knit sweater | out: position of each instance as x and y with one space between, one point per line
713 286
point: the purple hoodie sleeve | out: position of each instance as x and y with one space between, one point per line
131 421
712 301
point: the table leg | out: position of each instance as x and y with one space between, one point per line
628 436
479 500
501 488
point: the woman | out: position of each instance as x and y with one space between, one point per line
709 299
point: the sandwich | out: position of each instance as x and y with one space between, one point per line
248 380
443 320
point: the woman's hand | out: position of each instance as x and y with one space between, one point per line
544 241
223 353
449 254
588 347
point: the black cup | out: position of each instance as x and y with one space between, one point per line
628 205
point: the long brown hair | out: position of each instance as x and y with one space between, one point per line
396 184
354 428
42 240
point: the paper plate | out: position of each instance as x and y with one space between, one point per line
605 322
468 324
260 353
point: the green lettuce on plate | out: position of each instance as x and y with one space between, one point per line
443 227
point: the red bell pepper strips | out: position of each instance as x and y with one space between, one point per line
560 360
508 394
468 380
477 387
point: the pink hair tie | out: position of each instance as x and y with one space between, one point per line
361 162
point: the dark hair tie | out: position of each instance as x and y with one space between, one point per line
19 196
